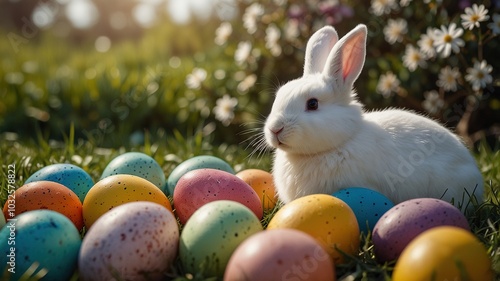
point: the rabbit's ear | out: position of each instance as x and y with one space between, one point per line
318 47
346 60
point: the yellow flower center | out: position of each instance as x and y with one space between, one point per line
474 18
447 38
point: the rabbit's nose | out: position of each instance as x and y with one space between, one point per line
277 131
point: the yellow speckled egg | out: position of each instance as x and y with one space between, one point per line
328 219
116 190
444 253
263 183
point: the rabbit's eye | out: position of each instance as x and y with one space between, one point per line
312 104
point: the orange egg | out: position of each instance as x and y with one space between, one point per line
263 183
117 190
46 195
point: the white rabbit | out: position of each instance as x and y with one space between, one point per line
325 141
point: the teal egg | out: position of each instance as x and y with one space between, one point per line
136 164
197 162
368 205
213 233
71 176
44 237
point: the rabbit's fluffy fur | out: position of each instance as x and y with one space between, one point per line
325 141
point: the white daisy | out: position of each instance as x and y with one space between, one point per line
404 3
222 33
495 25
432 103
388 84
251 15
395 30
224 110
448 39
380 7
273 35
242 52
247 83
292 30
479 75
413 57
473 16
195 78
426 44
448 78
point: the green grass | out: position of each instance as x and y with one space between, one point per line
171 148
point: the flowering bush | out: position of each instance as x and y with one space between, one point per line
433 56
436 57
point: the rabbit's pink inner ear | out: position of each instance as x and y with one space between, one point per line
353 56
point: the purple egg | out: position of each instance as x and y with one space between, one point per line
407 220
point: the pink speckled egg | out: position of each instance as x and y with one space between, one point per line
198 187
280 254
405 221
134 241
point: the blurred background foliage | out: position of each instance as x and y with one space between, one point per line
118 69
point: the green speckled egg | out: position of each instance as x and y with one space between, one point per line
211 235
136 164
42 236
198 162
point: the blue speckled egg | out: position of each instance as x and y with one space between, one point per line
198 162
136 164
368 205
41 236
211 235
71 176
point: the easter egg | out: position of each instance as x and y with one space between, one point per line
116 190
280 254
213 233
263 184
46 195
326 218
444 253
199 187
368 205
198 162
137 164
134 241
71 176
405 221
42 240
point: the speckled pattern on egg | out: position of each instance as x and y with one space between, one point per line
213 233
116 190
197 162
368 205
199 187
328 219
280 254
71 176
137 164
48 195
135 241
42 236
407 220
